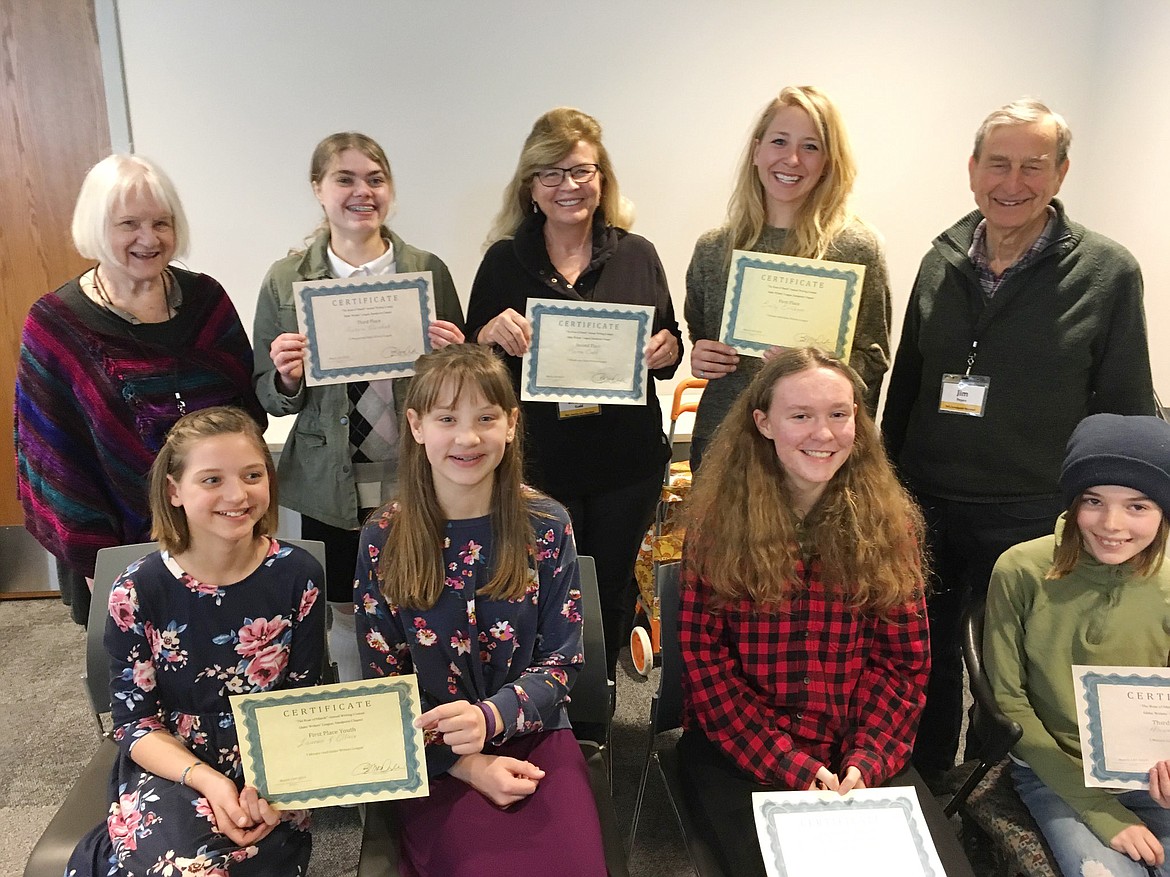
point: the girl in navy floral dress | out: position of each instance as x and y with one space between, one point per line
221 609
470 581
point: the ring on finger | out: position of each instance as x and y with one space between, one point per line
702 373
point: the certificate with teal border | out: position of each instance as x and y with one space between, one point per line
787 301
875 832
349 743
591 352
1123 714
364 328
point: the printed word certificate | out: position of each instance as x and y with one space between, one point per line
586 352
1124 719
786 301
348 743
364 328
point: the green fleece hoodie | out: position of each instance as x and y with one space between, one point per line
1036 630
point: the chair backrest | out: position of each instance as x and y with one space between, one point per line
590 700
667 710
111 563
995 731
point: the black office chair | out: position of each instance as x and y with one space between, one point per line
86 804
666 715
590 711
986 795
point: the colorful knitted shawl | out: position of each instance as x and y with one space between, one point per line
95 397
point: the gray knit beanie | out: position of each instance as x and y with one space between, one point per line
1131 452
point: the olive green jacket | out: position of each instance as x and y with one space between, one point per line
315 469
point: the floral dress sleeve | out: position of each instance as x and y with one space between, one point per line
133 642
307 652
542 688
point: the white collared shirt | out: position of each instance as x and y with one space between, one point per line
384 264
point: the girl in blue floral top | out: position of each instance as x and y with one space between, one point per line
221 609
470 581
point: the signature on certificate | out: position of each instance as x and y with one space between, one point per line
815 341
376 767
604 377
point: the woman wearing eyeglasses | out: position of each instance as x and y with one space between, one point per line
562 234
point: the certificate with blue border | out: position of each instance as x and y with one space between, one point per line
787 301
349 743
876 832
591 352
1124 718
364 328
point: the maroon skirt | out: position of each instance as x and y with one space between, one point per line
457 832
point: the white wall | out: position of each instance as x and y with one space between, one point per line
230 97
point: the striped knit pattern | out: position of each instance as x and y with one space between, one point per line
95 398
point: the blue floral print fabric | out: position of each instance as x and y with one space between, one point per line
179 648
523 654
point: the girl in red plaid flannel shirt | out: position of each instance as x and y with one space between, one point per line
802 620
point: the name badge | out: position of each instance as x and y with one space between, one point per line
964 394
566 410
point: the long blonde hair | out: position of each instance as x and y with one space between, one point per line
553 136
743 535
411 567
826 209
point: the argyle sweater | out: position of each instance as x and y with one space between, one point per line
95 397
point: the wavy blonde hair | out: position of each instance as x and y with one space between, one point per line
826 209
742 532
553 136
411 568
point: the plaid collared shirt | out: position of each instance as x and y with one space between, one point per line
814 684
978 255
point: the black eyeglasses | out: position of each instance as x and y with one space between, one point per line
578 173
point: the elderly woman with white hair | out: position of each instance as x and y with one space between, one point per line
110 361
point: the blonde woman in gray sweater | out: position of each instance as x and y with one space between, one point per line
791 197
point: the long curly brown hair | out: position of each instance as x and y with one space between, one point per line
745 538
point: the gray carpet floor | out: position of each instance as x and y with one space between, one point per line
47 734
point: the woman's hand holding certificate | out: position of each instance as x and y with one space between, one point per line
366 328
590 352
786 301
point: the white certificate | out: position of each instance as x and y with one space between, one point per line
586 352
364 328
348 743
876 832
787 301
1124 719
